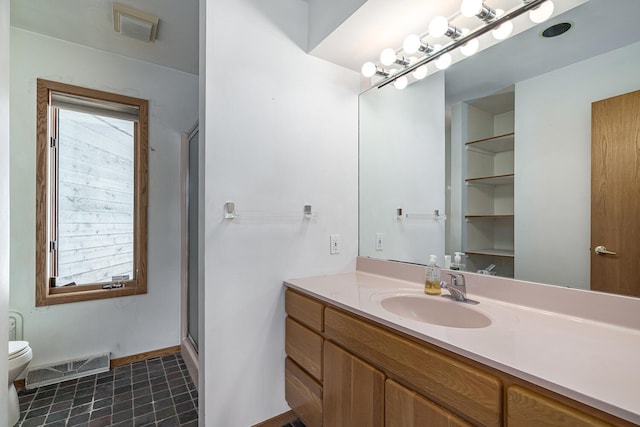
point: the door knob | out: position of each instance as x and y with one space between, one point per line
601 250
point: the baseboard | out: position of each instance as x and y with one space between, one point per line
126 360
190 358
278 420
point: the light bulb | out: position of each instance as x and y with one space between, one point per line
504 30
438 26
470 47
471 8
420 72
388 56
401 82
369 69
444 61
542 12
411 44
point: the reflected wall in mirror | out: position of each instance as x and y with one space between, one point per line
554 83
401 160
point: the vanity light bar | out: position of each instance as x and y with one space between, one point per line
454 44
487 14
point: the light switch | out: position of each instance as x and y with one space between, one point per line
334 241
379 243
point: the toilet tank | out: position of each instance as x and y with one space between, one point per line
16 330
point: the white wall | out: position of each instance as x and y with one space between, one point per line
327 15
553 163
4 199
402 165
123 326
281 131
456 224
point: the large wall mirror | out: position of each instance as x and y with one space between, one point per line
424 158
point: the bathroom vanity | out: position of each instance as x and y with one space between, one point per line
360 352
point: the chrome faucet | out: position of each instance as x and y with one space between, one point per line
457 289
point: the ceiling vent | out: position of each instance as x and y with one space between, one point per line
556 30
134 23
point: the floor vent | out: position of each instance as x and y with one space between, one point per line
39 376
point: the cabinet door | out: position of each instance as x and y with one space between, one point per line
528 409
353 391
464 389
406 408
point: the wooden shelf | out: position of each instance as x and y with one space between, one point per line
492 180
489 191
490 252
488 217
494 144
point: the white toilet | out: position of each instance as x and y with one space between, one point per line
19 357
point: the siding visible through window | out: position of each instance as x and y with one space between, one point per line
95 199
91 194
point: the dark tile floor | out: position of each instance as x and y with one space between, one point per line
296 423
156 392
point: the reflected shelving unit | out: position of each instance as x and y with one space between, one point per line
489 179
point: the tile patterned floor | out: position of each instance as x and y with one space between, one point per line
156 392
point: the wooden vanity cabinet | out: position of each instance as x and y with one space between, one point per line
451 383
526 408
406 408
353 390
303 365
342 370
303 394
305 347
305 310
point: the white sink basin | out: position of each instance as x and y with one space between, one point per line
435 310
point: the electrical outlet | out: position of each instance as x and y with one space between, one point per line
379 243
334 242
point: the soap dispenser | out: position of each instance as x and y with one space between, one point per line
432 277
457 261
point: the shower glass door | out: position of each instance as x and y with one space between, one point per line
192 240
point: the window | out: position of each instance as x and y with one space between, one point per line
91 194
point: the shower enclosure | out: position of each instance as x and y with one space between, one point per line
190 254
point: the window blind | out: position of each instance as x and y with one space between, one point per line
95 106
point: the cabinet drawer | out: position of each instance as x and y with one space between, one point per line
303 394
526 408
305 347
469 392
406 408
304 310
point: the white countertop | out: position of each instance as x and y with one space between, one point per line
593 362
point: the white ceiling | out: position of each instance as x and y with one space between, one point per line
598 27
379 24
90 23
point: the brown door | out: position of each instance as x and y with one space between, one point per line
615 194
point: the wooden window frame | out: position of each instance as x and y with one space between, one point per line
45 294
